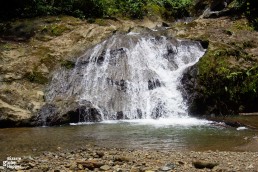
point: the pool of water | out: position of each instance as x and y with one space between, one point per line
186 134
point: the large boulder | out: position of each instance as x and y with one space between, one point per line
66 111
11 115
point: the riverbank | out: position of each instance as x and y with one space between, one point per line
92 158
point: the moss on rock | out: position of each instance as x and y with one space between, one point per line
68 64
36 77
225 88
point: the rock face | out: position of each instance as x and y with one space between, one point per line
67 111
224 81
27 60
128 76
12 115
189 87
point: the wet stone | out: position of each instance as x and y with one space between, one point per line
202 165
152 84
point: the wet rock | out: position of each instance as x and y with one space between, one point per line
119 115
101 58
213 5
116 54
215 14
86 114
202 165
70 111
118 51
121 85
152 84
157 111
82 63
218 5
139 113
233 124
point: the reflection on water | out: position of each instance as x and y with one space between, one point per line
31 141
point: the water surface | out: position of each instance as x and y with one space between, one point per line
190 134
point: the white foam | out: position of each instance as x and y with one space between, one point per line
162 122
242 128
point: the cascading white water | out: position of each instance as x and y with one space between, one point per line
130 77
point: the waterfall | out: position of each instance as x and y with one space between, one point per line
128 76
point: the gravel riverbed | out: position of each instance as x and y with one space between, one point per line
92 158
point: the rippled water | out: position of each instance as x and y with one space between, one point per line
166 134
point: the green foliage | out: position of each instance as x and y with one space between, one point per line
21 31
232 86
54 29
94 8
250 9
179 8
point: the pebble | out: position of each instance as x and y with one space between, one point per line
105 167
165 168
122 160
135 169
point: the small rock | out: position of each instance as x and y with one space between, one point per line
250 166
181 162
201 165
80 166
32 165
96 156
121 159
44 167
73 167
100 154
104 167
135 169
165 168
91 164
